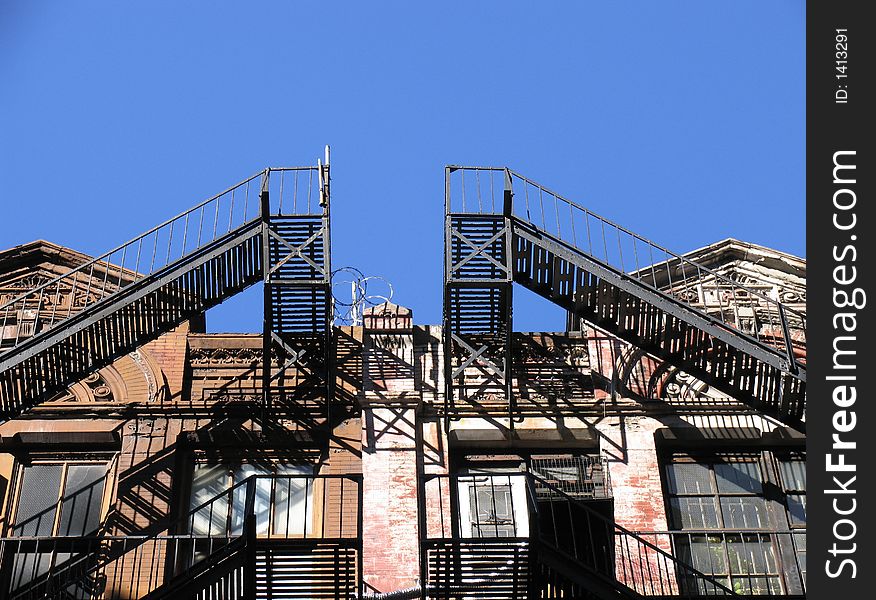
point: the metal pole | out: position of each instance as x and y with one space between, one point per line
508 211
250 533
268 317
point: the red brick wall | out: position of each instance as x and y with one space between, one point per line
169 352
389 457
390 542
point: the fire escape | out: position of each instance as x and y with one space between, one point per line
502 228
249 541
498 233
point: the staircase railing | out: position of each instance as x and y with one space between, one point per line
261 507
611 551
751 562
481 190
475 522
294 190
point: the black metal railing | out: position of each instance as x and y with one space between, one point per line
480 191
294 190
609 550
216 541
468 517
478 505
750 562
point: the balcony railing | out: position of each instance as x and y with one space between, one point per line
476 523
750 562
261 525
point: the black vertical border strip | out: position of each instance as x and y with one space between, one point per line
832 127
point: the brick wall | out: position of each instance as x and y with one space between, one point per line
389 457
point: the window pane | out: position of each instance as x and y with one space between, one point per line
214 482
262 502
208 482
492 512
744 512
37 501
797 509
293 500
800 547
756 586
689 478
293 506
492 503
27 567
705 553
751 554
80 506
694 513
738 478
794 474
489 531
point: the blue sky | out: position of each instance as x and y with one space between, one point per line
683 121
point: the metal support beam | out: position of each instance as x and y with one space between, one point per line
478 278
268 313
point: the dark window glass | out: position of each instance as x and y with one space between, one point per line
738 478
793 477
491 510
38 500
55 499
80 504
689 478
708 500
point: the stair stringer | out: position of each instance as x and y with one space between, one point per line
678 334
129 318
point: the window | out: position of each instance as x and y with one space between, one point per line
59 498
793 477
717 495
719 508
283 502
792 470
55 498
493 505
491 510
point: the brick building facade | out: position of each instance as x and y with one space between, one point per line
594 469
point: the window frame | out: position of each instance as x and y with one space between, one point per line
774 500
106 459
711 460
232 462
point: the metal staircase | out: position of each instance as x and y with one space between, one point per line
503 228
543 543
88 317
249 542
583 553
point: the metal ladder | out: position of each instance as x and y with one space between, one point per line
502 228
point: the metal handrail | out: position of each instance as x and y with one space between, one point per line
788 568
556 217
627 558
638 563
161 246
186 543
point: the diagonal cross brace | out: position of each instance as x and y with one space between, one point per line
295 356
480 251
297 251
476 355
